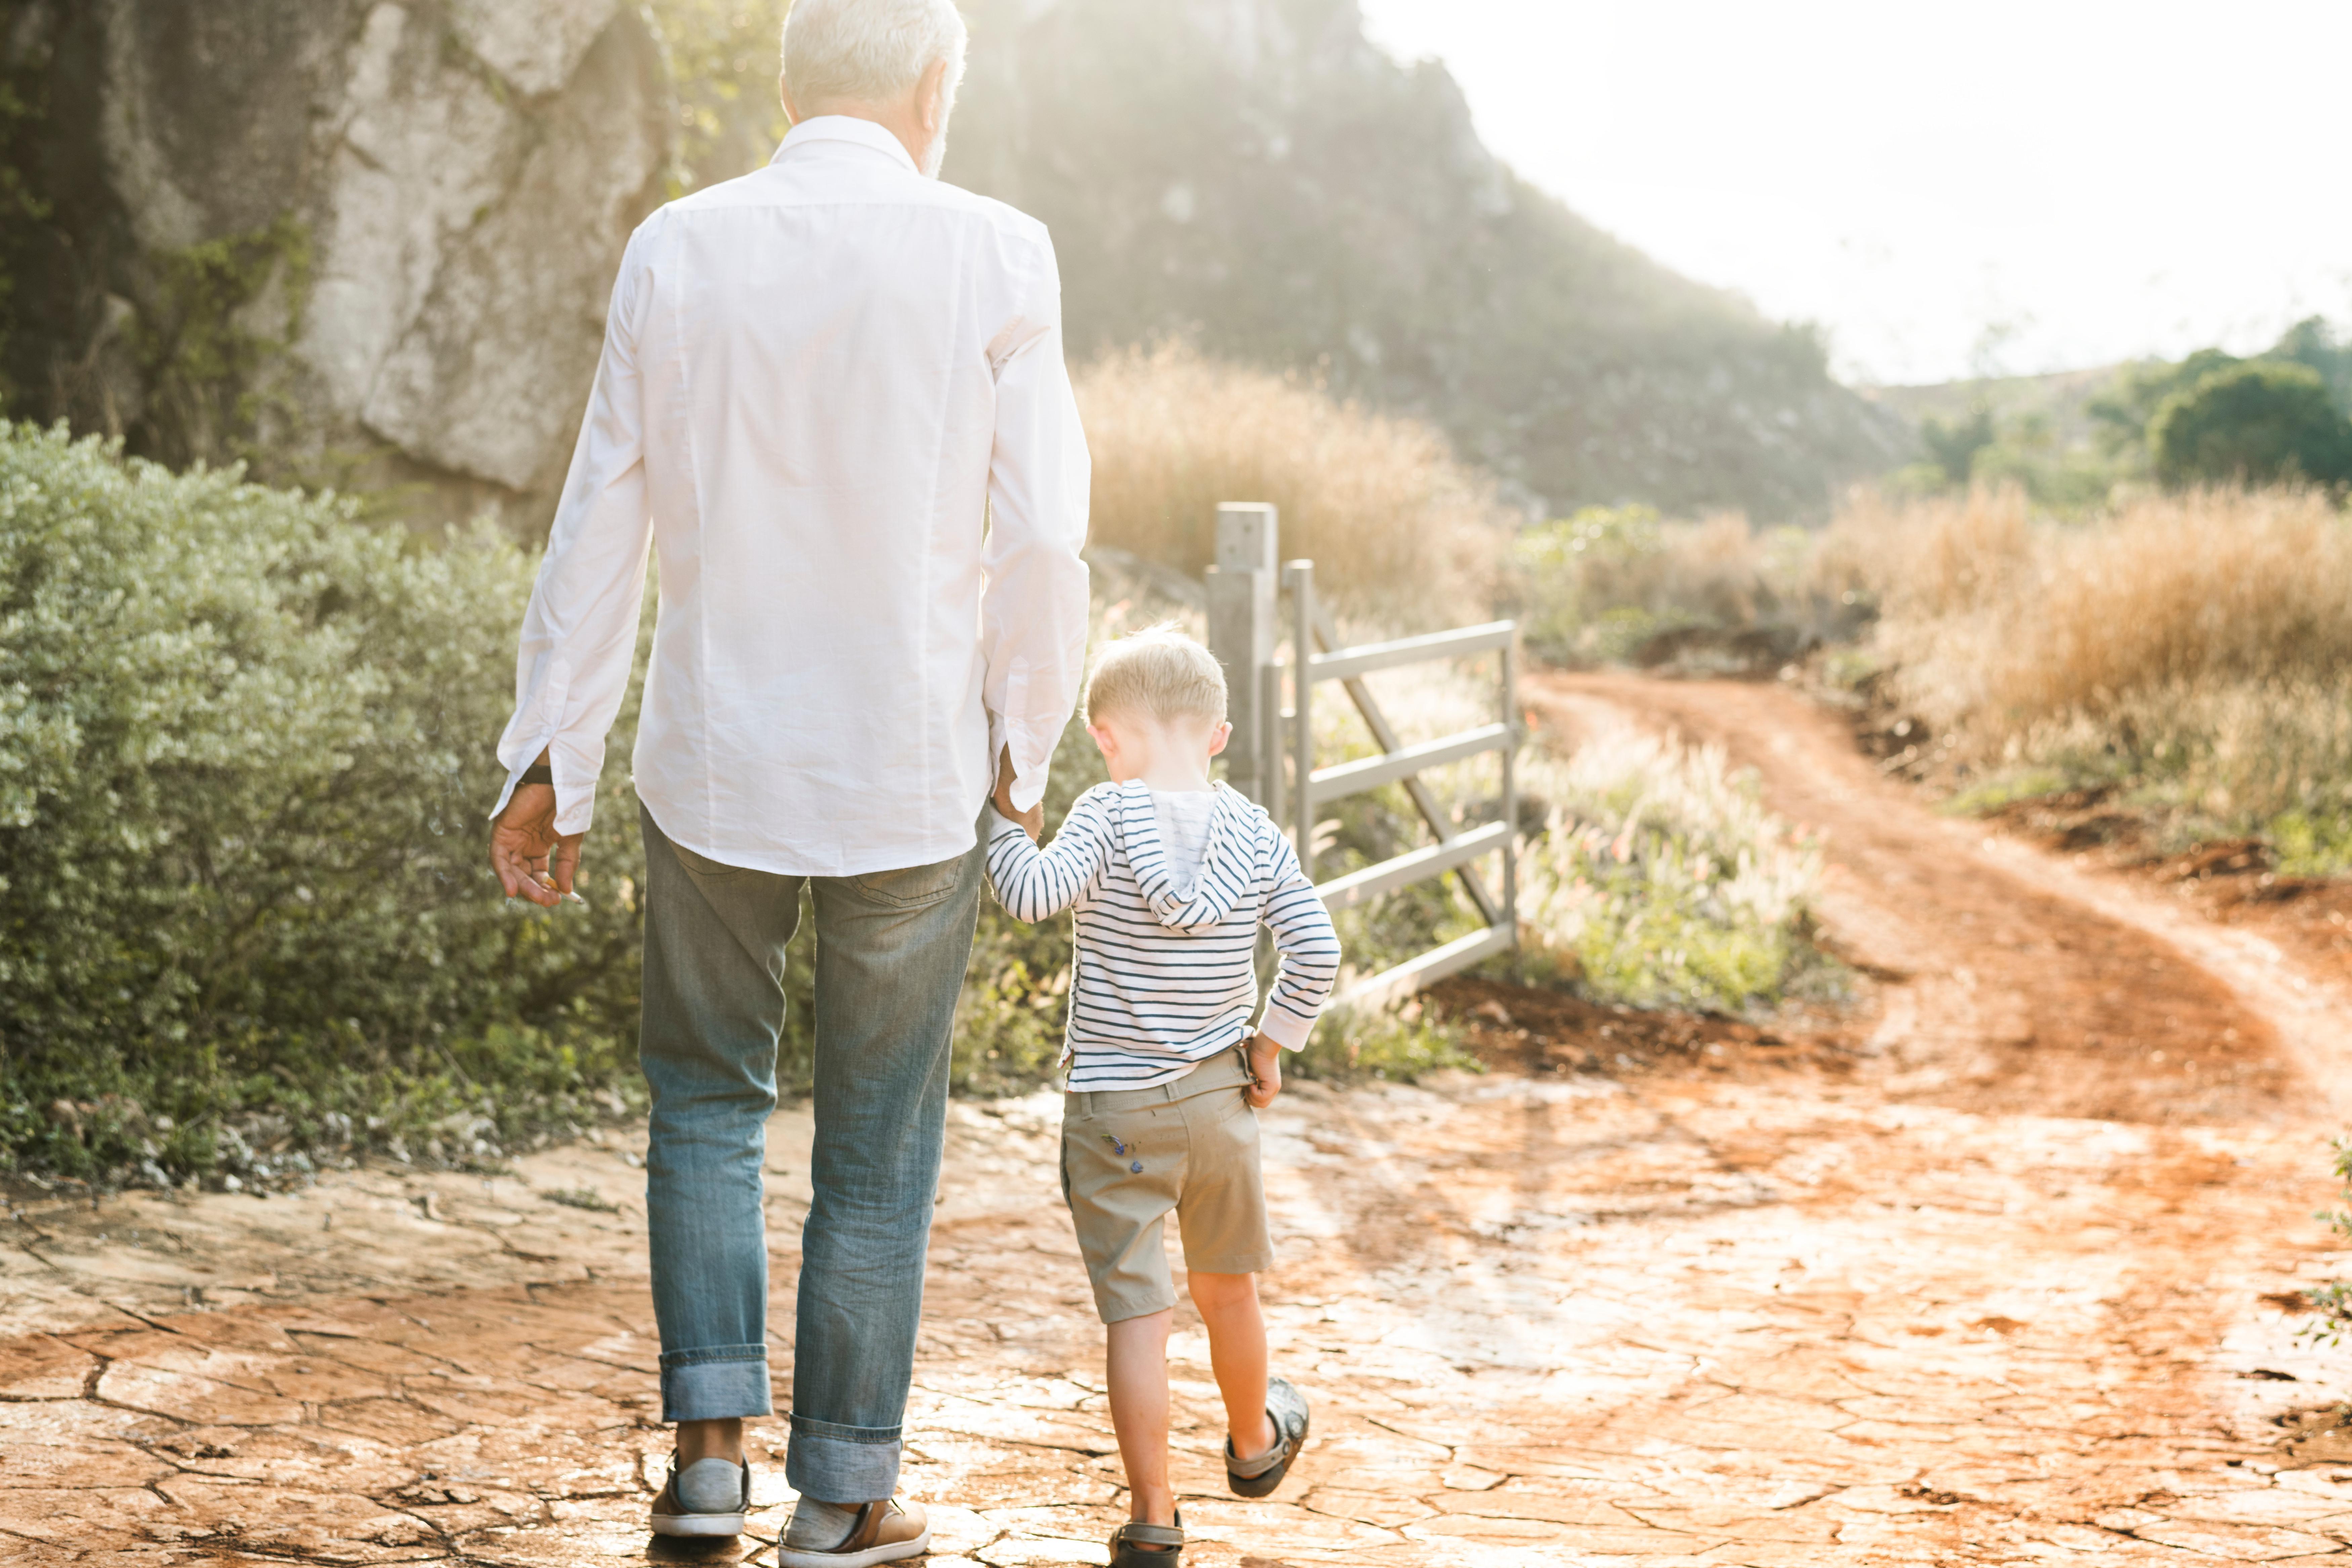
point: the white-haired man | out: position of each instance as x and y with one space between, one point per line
833 399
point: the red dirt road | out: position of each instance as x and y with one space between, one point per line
1987 1277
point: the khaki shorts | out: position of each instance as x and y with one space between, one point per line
1130 1155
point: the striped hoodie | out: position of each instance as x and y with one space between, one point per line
1163 978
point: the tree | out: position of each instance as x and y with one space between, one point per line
2252 424
2124 408
2310 341
1954 448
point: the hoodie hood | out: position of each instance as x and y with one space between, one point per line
1228 869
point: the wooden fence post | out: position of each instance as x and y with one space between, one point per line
1242 630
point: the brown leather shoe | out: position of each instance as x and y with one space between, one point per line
885 1532
672 1516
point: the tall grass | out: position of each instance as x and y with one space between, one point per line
1660 879
1615 583
1650 872
2195 649
1397 528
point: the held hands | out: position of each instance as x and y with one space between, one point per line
1032 821
1265 1071
533 862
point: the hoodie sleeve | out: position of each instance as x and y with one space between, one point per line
1309 948
1036 884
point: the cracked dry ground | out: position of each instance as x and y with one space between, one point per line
1991 1270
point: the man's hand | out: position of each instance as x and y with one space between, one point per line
1265 1071
533 862
1032 821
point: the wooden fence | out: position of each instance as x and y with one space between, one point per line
1272 755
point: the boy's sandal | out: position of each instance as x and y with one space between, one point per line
1286 1407
1138 1545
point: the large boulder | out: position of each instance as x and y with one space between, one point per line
354 242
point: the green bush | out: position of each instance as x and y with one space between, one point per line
2255 423
245 751
1661 880
1614 584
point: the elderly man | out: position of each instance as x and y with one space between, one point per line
833 399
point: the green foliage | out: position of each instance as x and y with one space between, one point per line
2252 424
1400 1044
2124 410
1616 583
1659 879
723 60
1953 447
2332 1303
2312 342
2265 424
245 751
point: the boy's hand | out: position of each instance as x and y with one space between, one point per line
1032 821
1265 1071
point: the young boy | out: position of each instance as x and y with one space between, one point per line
1171 876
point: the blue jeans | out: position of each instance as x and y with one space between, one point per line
891 950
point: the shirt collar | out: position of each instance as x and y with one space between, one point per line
846 128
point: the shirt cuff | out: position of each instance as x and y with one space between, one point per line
1029 781
1284 1028
575 803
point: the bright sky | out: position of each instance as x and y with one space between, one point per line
1999 187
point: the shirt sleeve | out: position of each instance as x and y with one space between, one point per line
1036 884
1309 946
579 632
1034 607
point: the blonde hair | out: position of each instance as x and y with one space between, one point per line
1160 671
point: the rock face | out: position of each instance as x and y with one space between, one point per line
366 243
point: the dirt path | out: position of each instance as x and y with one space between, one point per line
1994 1289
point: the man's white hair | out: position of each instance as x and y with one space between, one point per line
869 51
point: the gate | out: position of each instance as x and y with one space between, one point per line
1271 757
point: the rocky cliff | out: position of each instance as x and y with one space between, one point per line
358 242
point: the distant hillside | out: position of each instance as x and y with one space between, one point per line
2059 400
1257 173
369 243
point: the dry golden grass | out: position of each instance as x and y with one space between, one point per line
2194 647
2003 622
1397 528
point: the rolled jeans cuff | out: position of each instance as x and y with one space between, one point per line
716 1383
846 1465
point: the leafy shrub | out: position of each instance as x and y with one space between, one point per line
1401 1045
2256 423
245 750
1660 879
1615 583
1953 447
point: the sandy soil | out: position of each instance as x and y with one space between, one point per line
1995 1271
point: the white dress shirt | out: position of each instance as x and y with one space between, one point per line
832 398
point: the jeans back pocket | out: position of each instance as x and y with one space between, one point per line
915 888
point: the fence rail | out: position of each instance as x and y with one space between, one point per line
1243 590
